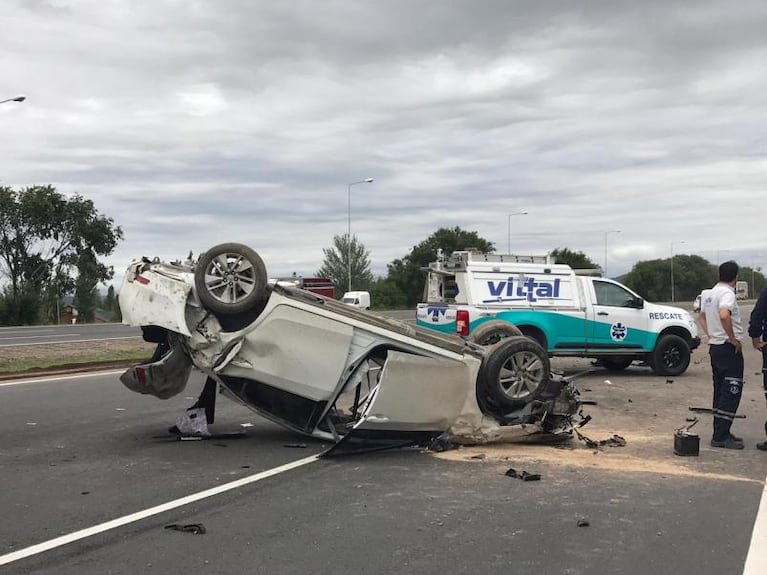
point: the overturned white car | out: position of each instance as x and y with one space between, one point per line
330 370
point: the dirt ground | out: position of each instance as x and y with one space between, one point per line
645 409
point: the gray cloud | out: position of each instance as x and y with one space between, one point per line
192 122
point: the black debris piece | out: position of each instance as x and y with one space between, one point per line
439 445
586 389
588 402
669 381
525 476
583 523
688 419
85 493
194 528
630 400
296 445
479 456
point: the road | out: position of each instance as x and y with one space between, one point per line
81 451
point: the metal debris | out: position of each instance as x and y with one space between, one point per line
614 441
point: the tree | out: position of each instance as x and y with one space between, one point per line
652 278
47 240
335 266
576 260
384 294
406 273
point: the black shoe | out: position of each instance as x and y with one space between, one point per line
736 438
762 446
728 443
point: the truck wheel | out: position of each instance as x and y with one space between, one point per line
493 331
230 279
671 355
515 371
616 363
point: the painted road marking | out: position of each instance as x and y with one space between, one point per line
133 517
756 560
60 377
39 336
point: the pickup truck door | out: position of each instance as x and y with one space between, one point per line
618 318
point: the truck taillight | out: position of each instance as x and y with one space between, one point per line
462 322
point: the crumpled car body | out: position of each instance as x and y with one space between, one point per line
328 370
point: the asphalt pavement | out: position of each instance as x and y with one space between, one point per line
81 451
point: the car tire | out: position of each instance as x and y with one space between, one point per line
514 372
230 279
616 363
671 355
493 331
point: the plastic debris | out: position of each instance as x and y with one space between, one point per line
608 382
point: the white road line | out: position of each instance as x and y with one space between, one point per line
69 341
60 377
133 517
756 560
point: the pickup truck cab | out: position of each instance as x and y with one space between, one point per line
567 313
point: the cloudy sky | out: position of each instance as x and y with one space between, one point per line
193 122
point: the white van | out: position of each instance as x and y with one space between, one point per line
360 299
567 313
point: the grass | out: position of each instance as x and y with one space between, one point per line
18 360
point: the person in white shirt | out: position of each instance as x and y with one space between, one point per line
720 320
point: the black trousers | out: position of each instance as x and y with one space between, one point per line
764 380
727 370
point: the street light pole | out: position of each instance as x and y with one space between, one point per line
522 213
606 233
16 99
349 227
672 267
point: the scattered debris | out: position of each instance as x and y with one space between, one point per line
244 466
246 425
589 402
479 456
85 493
31 423
119 409
669 381
688 419
296 445
614 441
630 400
524 476
608 382
586 389
583 523
195 528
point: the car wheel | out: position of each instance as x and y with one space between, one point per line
493 331
671 355
616 363
230 279
515 371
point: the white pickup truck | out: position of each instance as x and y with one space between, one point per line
487 296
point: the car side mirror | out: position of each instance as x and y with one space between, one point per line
638 303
